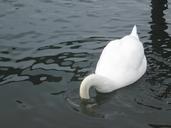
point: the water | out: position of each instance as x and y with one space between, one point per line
47 47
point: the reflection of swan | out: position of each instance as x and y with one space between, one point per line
121 63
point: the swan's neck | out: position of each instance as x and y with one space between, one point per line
101 84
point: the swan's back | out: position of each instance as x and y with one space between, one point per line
121 63
123 60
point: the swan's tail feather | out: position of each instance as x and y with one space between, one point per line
134 31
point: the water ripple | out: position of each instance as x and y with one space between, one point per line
47 47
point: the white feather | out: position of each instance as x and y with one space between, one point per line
121 63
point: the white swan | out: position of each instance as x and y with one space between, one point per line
121 63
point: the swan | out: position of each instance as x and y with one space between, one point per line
121 63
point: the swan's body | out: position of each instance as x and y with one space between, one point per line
121 63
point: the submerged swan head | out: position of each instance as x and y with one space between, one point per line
121 63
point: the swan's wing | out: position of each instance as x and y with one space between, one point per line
121 59
110 58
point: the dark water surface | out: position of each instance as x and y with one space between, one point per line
48 46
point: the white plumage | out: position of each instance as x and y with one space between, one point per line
121 63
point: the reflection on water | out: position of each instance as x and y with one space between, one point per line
47 47
160 38
160 59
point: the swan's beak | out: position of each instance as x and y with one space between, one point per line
134 31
